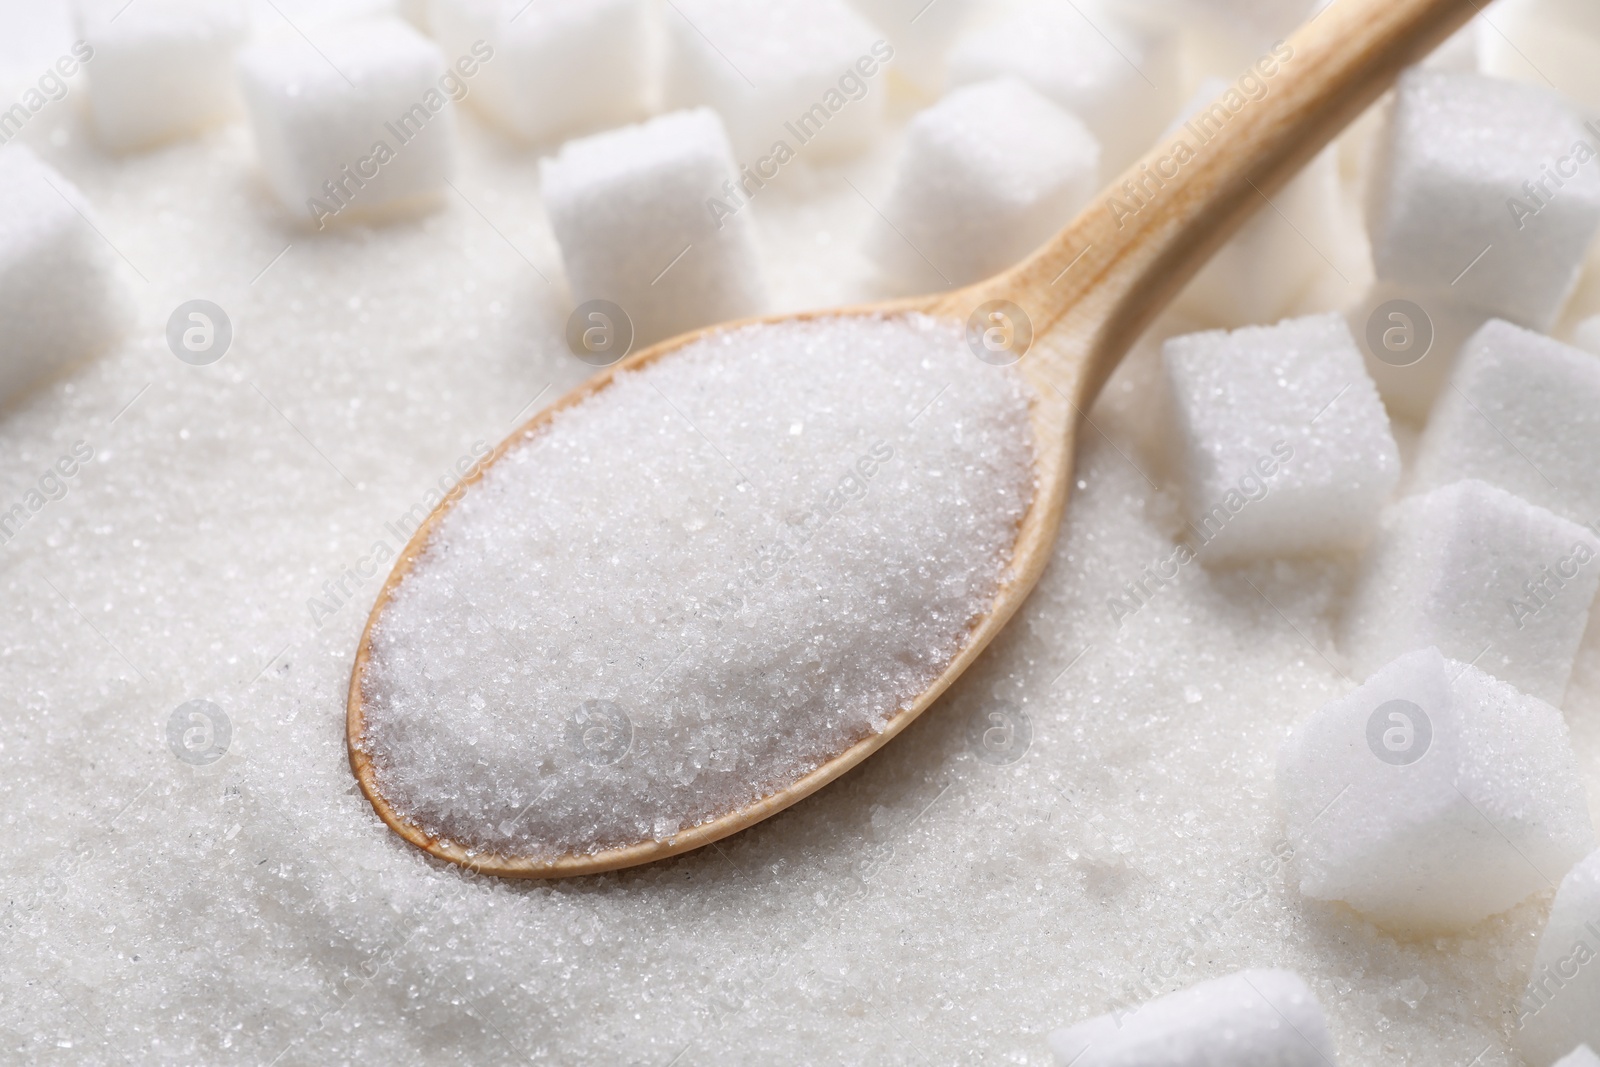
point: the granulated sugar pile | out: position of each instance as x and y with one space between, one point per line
1088 818
635 624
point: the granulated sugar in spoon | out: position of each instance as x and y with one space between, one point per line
725 571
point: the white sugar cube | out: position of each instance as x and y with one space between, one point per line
966 203
630 210
1432 797
558 67
1254 1018
1120 80
60 300
1582 1056
162 69
1488 195
359 122
1287 449
1561 1006
1522 413
1486 577
920 32
807 73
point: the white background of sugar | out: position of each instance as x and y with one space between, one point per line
928 908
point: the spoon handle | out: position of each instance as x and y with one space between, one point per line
1100 282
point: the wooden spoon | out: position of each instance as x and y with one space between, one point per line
1088 294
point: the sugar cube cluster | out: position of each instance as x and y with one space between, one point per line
353 120
1444 787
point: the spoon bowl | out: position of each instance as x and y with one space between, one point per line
1067 314
1052 449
